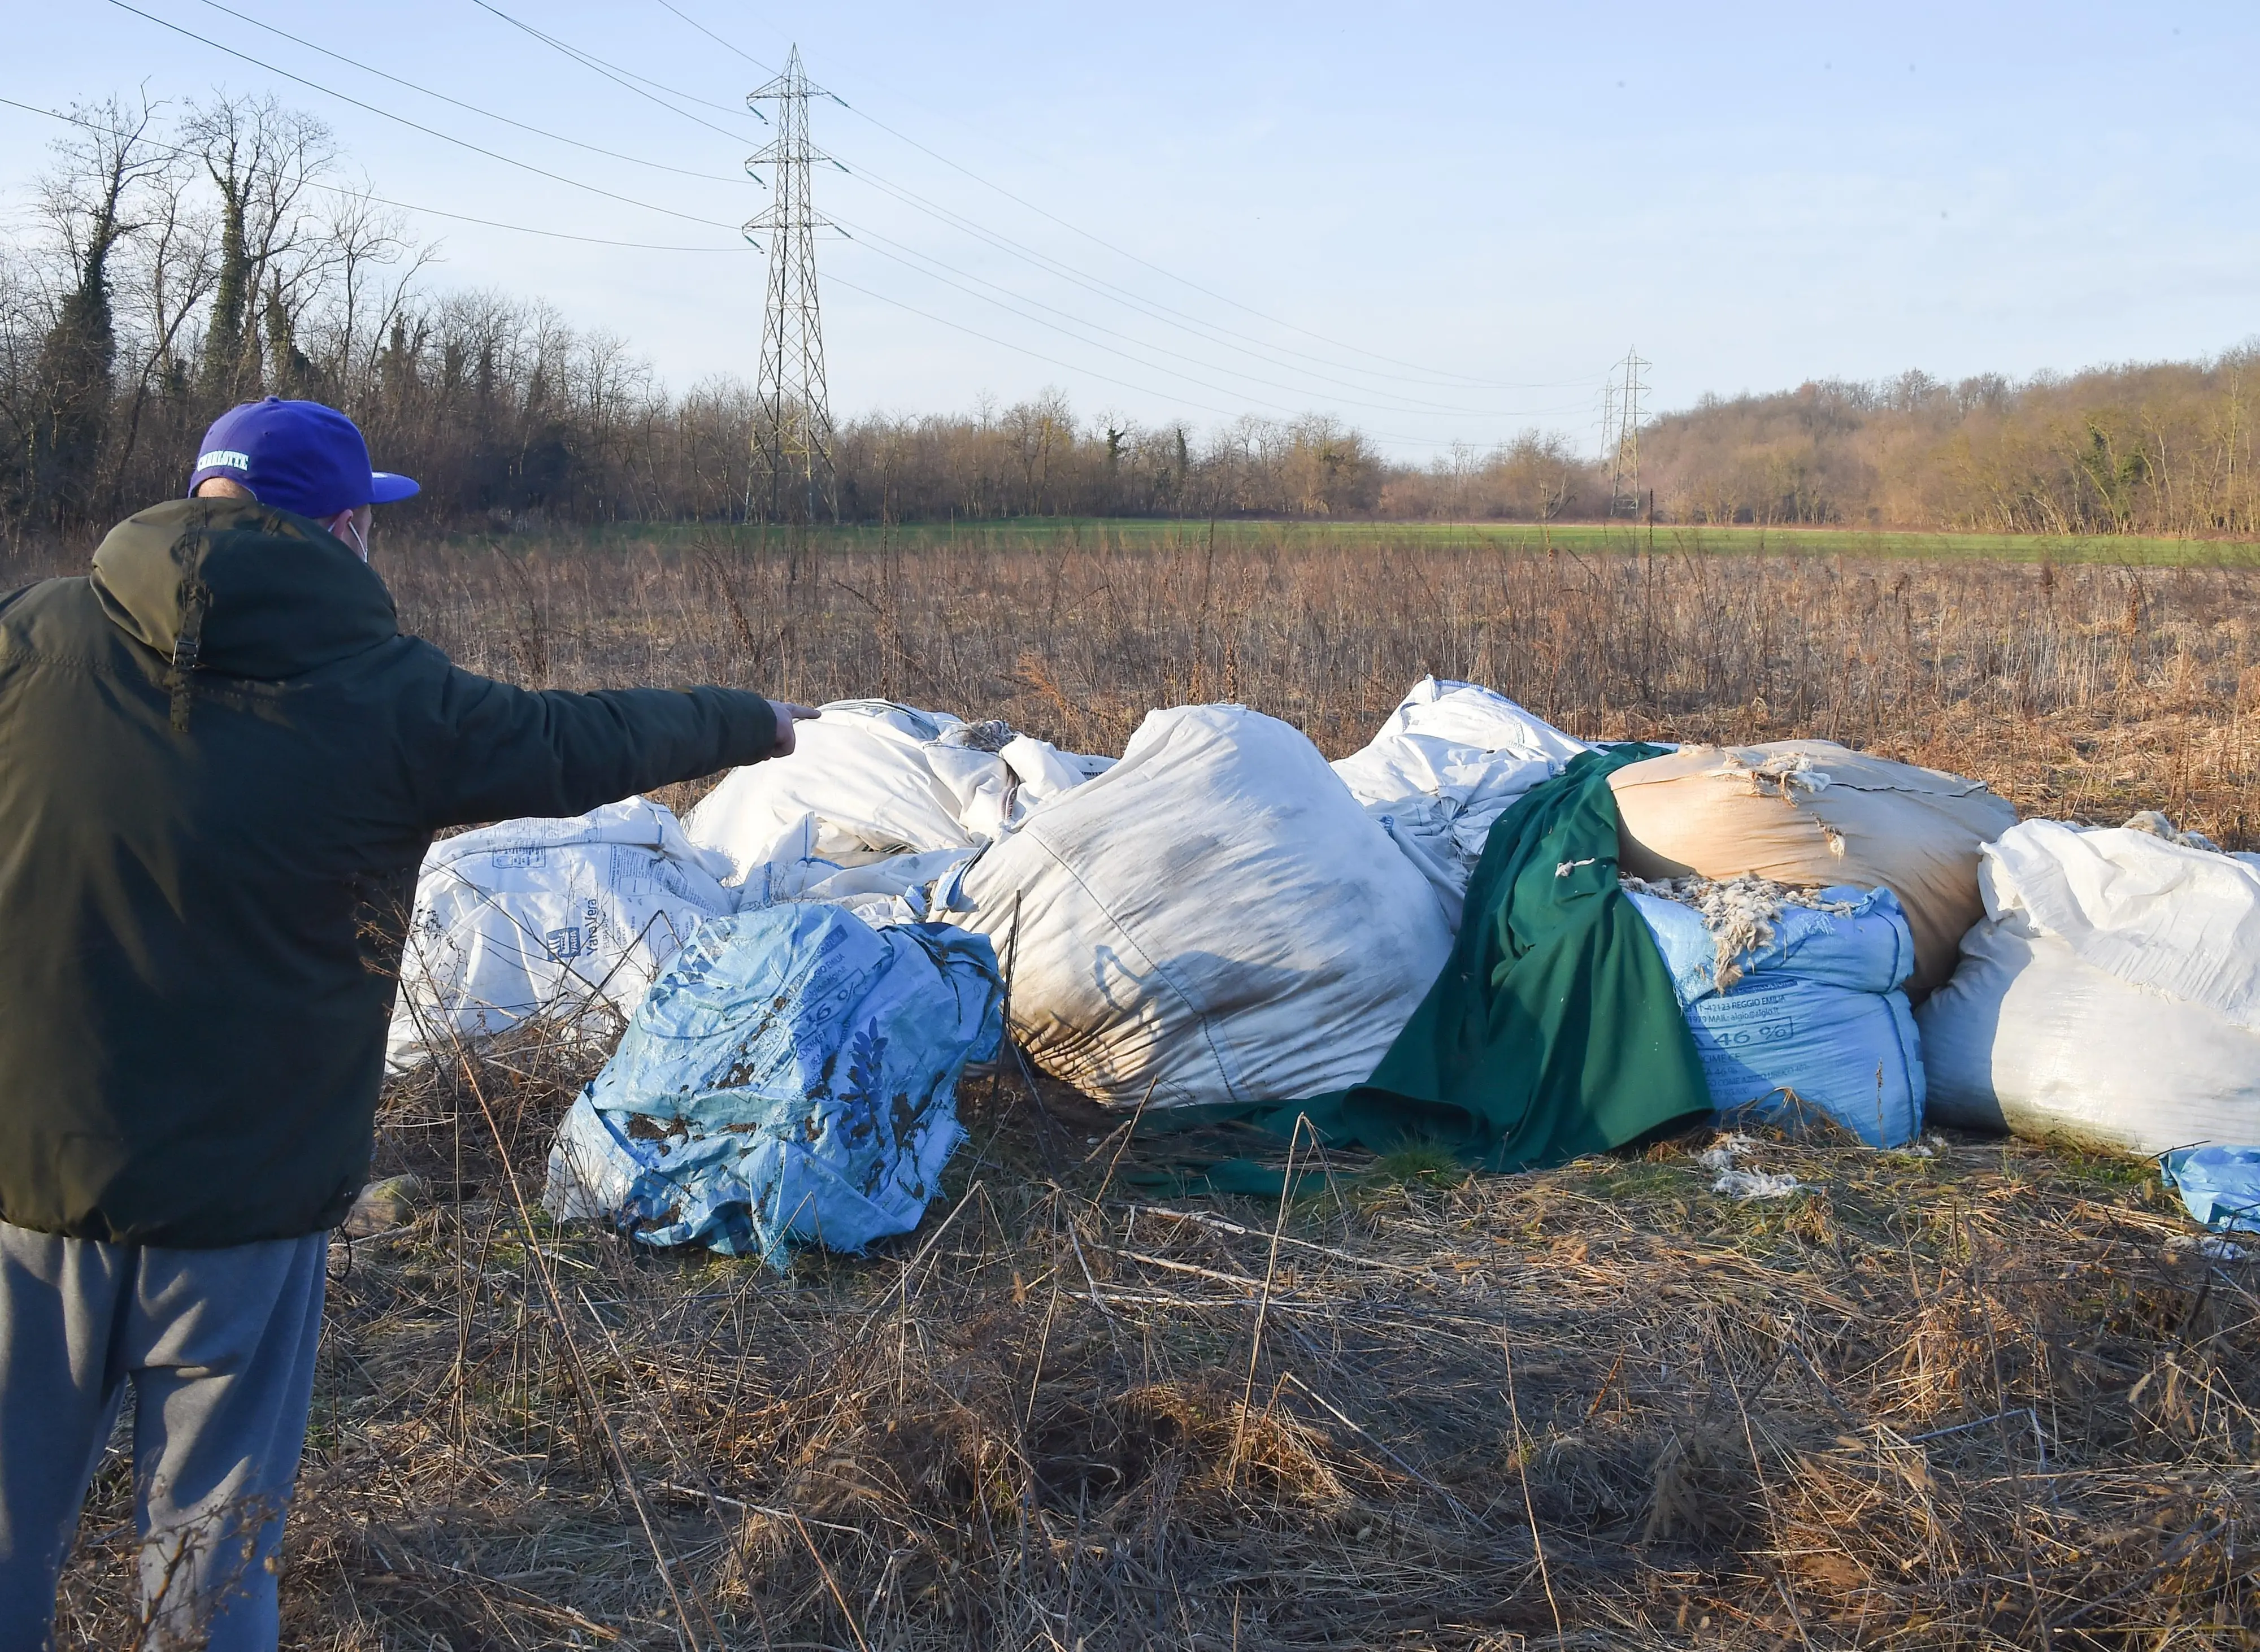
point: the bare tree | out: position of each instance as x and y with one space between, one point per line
87 200
163 283
264 160
369 266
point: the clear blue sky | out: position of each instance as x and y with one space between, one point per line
1508 194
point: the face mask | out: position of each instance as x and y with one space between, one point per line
361 540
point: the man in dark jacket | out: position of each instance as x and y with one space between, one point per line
220 764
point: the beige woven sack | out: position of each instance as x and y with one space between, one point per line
1812 813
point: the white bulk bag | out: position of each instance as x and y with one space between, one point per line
869 780
568 918
1213 920
2181 920
2112 995
1451 759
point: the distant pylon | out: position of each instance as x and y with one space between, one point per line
793 476
1623 456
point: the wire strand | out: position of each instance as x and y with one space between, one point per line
765 68
405 206
415 125
591 62
1053 361
878 243
1439 378
475 108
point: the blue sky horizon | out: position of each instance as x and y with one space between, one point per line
1440 222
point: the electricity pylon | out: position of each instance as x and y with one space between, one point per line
792 476
1623 456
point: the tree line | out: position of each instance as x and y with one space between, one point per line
179 260
2153 448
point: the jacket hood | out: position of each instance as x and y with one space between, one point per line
275 594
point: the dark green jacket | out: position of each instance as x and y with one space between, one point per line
220 764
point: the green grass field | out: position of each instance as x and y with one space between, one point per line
1576 537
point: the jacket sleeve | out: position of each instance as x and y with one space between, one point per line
487 751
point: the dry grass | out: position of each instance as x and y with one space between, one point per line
1980 1398
2080 692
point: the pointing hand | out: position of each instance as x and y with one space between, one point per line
787 714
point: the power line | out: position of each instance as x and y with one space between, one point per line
1207 332
871 240
808 155
1007 344
405 206
689 97
1097 286
1433 376
1072 367
1040 259
1400 404
868 292
764 67
837 279
414 126
1408 405
475 108
588 61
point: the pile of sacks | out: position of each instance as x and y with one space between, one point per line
1216 917
1220 917
2100 985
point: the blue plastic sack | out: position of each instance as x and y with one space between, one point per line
1817 1011
791 1079
2219 1186
1870 950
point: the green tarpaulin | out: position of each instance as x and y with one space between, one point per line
1554 1030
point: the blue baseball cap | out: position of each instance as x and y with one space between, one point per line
298 456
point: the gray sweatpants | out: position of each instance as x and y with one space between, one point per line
219 1346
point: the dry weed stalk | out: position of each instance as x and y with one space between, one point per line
2029 676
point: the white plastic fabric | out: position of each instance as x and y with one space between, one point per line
1214 919
870 782
2112 995
1450 759
568 918
2179 921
